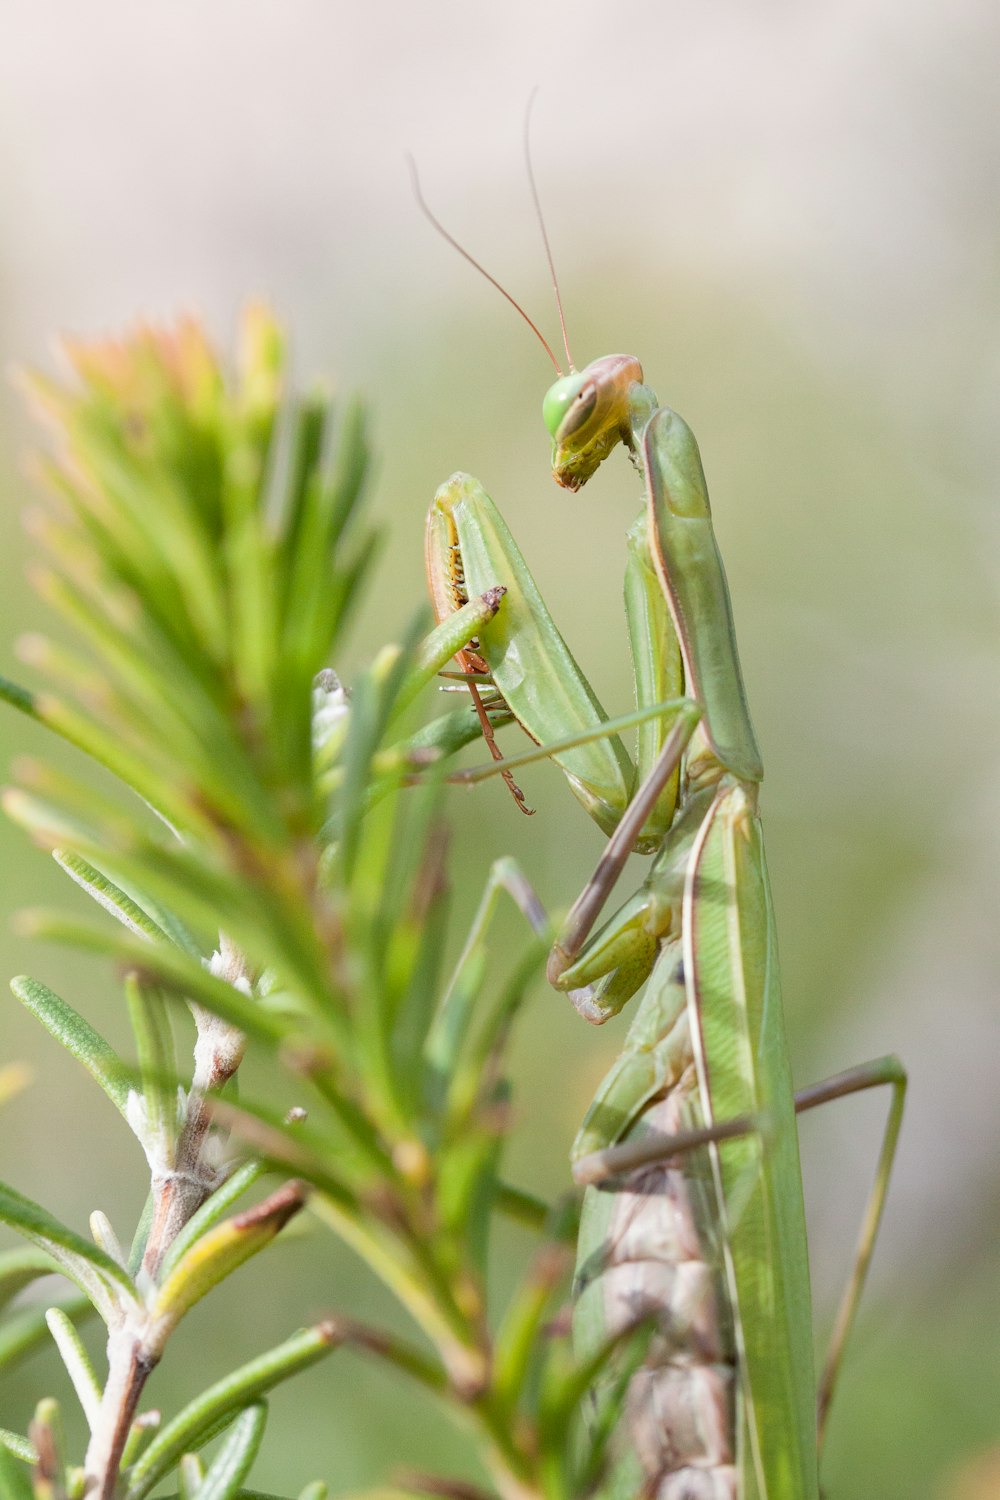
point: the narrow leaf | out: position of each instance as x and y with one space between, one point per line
14 1481
268 917
18 697
174 970
154 1047
219 1252
21 1447
205 1416
242 1494
232 1463
137 1249
190 1476
22 1332
139 1434
92 1270
77 1036
77 1361
18 1268
102 1232
109 895
518 1339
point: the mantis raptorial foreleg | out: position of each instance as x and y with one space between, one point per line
533 668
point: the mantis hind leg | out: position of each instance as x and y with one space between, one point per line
883 1071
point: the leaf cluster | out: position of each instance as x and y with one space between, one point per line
269 870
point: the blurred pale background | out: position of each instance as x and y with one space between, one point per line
789 213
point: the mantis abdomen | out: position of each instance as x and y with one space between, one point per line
649 1252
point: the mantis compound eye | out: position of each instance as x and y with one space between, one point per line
558 400
581 410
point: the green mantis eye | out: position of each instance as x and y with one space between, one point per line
558 399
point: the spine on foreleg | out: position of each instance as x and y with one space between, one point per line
647 1250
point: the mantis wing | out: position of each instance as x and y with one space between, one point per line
731 969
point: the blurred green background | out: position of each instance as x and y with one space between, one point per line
789 213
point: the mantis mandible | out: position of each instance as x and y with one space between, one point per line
726 1407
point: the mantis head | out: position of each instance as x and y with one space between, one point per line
587 412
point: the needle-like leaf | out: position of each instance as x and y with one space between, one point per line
203 1417
217 1253
232 1463
103 1280
78 1037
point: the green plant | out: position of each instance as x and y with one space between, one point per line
275 877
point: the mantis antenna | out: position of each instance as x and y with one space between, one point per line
541 224
432 218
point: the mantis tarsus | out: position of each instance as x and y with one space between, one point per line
726 1406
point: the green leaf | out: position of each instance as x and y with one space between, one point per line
174 970
232 1463
140 1238
317 594
94 1272
14 1481
23 1331
18 697
77 1362
519 1338
154 1045
139 1435
190 1474
309 427
362 739
77 1036
104 747
114 900
21 1447
18 1268
202 1418
243 1495
265 914
217 1253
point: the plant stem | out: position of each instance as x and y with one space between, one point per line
128 1370
180 1192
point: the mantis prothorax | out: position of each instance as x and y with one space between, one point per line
726 1406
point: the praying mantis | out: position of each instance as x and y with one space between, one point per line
694 1210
